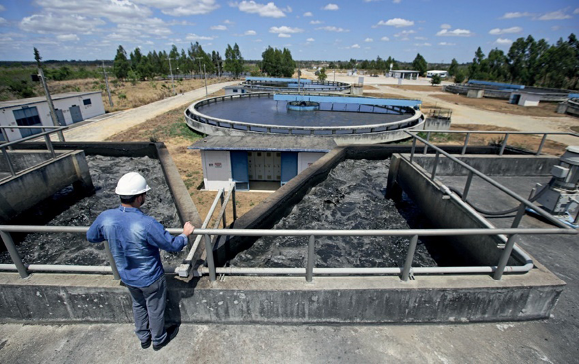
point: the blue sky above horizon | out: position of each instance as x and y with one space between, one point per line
312 30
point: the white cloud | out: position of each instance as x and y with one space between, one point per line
555 15
67 37
396 1
179 7
355 46
446 44
576 11
51 24
226 21
445 26
396 22
115 11
316 22
2 8
250 32
385 39
420 38
516 15
192 36
454 33
503 41
3 21
333 29
422 44
498 31
283 35
310 40
555 28
368 40
264 10
331 7
218 27
309 13
285 30
404 33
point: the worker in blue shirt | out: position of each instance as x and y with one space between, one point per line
135 239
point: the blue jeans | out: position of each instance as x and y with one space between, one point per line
149 310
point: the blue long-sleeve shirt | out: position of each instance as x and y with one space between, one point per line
135 239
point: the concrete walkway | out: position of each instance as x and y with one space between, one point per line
103 128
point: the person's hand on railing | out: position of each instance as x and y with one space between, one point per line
188 228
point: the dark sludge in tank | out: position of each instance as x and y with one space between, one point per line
351 197
66 208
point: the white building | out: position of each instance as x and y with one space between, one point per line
70 107
404 74
259 160
442 74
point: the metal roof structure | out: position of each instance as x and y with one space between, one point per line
40 99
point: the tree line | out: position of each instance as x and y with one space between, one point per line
193 60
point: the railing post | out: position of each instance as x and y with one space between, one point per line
436 160
209 254
234 203
413 148
504 144
9 162
310 259
426 144
466 139
542 143
519 216
49 146
222 199
467 186
409 257
116 275
505 257
9 243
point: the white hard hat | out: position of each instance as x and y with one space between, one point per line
132 184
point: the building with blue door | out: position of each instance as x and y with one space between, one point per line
70 108
250 161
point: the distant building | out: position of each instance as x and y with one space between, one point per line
404 74
442 74
70 107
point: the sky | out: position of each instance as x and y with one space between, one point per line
439 30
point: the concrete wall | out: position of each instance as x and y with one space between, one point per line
22 192
514 165
50 298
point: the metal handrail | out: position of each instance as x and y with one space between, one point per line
46 134
498 270
472 171
197 116
506 133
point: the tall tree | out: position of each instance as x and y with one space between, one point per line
37 57
420 65
121 64
233 60
453 67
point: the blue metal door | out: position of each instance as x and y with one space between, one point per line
75 113
289 166
239 169
60 117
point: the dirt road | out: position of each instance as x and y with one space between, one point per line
102 129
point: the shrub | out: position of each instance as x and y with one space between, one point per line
435 80
459 77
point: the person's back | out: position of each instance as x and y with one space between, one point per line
135 239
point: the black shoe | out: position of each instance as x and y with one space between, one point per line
146 344
171 333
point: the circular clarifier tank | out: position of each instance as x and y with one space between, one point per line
346 119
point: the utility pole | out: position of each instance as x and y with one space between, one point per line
205 74
172 78
107 83
299 78
50 104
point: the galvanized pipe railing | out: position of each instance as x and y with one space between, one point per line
46 134
523 201
310 270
